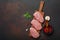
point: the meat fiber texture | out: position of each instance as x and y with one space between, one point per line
34 33
38 16
36 24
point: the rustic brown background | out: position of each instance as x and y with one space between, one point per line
13 24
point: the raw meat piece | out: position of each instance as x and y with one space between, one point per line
38 16
34 33
36 24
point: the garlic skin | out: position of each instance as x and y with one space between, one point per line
47 18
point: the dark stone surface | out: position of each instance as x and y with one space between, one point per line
13 24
